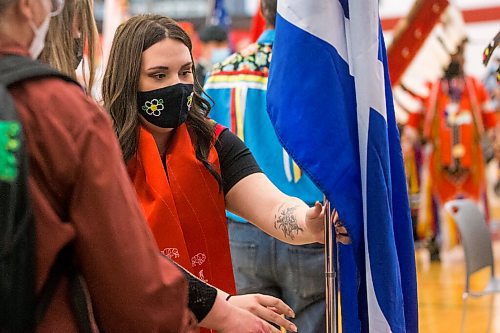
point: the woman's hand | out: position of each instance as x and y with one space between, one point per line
315 222
341 233
266 307
225 317
242 321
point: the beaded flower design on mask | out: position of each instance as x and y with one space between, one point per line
153 107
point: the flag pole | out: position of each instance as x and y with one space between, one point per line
331 269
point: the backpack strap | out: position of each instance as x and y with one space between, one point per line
65 266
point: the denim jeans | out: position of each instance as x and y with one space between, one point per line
293 273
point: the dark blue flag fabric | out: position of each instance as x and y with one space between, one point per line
330 102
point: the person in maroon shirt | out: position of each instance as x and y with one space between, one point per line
80 193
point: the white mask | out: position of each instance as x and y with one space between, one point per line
38 42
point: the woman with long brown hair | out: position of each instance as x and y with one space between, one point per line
185 168
69 34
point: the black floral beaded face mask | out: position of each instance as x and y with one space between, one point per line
166 107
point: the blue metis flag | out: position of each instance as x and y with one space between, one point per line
330 102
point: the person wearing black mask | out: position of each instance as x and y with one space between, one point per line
74 29
453 121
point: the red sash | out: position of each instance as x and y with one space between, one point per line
185 210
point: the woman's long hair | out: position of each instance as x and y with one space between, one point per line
119 87
60 42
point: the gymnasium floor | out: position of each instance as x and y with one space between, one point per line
440 287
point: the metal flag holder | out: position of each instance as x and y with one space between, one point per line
331 269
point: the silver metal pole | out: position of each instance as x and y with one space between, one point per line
331 265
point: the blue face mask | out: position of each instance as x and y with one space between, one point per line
219 55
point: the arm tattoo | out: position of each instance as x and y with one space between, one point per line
286 221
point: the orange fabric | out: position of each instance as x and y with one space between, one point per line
441 136
258 25
426 221
489 119
474 119
414 119
184 207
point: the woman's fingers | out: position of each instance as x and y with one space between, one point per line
315 212
340 229
319 209
271 316
342 235
275 304
346 240
272 329
271 309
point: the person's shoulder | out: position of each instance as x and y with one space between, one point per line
224 137
63 98
228 64
218 128
255 57
58 104
52 86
